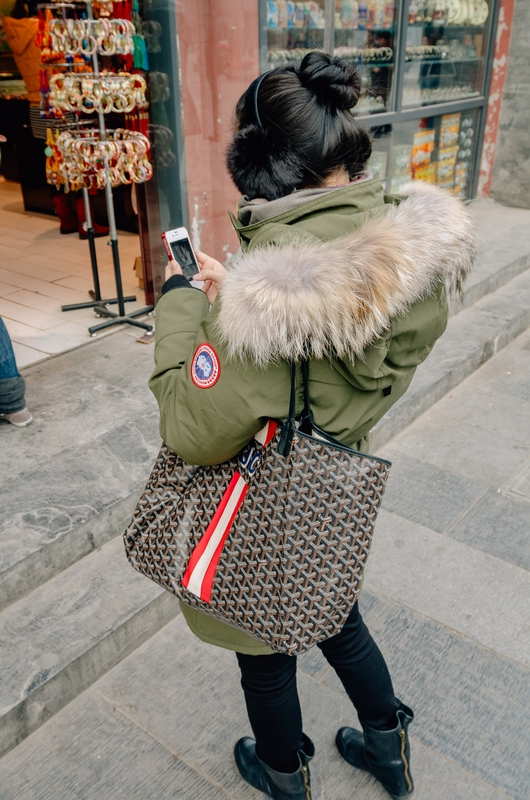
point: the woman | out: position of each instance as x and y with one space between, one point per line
330 268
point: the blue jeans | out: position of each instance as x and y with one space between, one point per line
8 365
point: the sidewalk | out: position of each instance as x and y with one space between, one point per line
446 596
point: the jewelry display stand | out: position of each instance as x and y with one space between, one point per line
97 303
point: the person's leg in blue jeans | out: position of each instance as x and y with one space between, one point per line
12 386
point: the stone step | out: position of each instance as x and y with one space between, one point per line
503 250
70 481
56 515
66 634
472 337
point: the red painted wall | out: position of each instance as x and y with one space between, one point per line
498 80
219 57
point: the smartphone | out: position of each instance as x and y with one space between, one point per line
179 248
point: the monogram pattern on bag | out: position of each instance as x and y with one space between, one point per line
291 567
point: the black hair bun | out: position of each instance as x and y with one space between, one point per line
262 163
334 80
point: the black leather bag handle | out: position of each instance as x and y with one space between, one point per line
306 420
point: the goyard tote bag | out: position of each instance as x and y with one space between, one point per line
274 541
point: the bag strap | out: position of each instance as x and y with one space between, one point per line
306 420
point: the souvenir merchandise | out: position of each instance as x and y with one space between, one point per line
439 94
54 160
88 93
88 161
365 55
106 37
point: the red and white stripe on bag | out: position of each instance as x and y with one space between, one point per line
200 572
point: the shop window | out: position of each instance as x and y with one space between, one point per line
437 150
445 51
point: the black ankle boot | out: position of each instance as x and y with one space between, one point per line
385 754
278 785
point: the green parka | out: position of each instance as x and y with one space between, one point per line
356 279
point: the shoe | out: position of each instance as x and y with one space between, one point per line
99 230
20 418
66 214
278 785
384 754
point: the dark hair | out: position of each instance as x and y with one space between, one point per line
25 8
305 130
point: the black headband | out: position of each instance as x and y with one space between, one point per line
251 112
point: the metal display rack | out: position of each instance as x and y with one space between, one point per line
98 303
396 112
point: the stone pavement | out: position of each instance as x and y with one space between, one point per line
446 596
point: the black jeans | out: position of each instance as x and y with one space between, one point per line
269 684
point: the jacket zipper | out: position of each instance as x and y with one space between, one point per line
405 762
306 782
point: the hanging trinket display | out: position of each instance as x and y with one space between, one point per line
87 159
88 93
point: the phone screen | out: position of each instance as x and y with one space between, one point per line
183 253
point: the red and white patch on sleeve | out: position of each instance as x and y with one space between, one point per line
205 367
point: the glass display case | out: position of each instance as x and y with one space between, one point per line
425 67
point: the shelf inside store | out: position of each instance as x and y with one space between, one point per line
446 26
471 60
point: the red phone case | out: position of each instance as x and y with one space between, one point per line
168 248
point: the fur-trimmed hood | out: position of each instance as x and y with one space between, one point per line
334 298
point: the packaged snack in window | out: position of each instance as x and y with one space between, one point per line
363 14
313 21
348 11
423 145
448 183
299 18
272 14
426 173
282 13
449 130
388 14
446 163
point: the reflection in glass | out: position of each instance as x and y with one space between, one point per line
445 51
364 32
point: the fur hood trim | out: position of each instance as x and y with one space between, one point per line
334 298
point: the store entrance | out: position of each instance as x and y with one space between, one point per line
41 269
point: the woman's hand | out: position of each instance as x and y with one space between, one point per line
172 268
212 273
